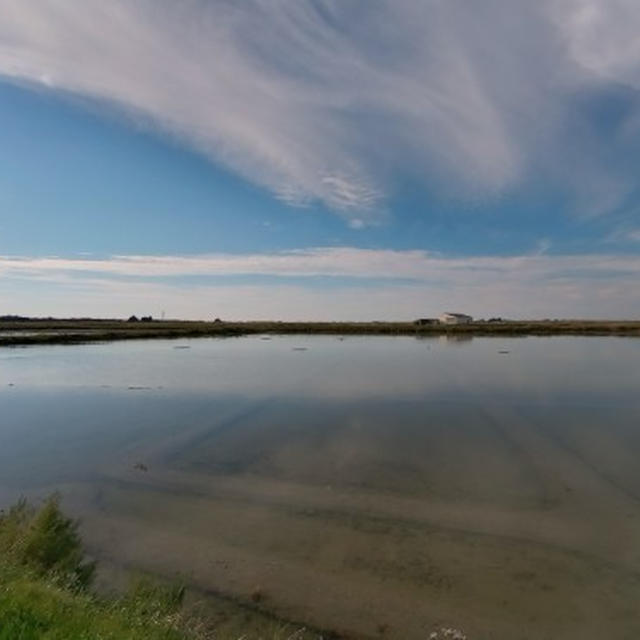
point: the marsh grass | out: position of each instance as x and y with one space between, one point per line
45 580
46 542
45 594
54 331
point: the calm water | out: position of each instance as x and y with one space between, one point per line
376 486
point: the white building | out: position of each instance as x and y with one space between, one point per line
455 318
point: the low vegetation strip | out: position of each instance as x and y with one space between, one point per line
32 608
51 331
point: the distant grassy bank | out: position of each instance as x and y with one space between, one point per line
58 331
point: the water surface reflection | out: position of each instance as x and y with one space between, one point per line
363 484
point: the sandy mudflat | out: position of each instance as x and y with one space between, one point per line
507 533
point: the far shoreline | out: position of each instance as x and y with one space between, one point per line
41 331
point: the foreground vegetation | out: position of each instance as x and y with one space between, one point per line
45 587
24 331
46 593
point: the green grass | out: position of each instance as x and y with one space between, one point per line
46 542
45 587
32 607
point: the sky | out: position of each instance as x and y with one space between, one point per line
320 159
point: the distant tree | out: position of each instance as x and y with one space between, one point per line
133 319
146 319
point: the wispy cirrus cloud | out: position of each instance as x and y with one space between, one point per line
355 284
331 101
346 262
108 299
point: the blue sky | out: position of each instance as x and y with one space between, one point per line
320 159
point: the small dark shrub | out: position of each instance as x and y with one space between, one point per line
257 595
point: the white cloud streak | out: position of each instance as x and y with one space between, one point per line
521 286
330 100
333 262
